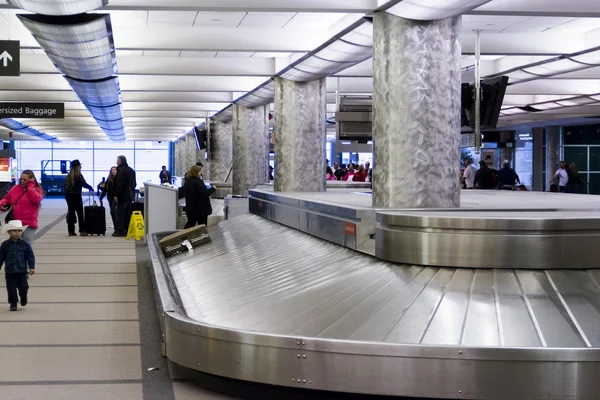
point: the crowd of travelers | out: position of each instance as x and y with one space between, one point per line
350 173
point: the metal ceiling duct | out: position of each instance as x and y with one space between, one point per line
431 10
19 127
261 96
62 7
82 49
563 64
576 101
225 115
350 47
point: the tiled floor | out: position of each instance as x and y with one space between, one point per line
79 338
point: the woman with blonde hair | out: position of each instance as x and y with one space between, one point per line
197 198
73 188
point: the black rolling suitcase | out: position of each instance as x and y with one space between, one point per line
95 219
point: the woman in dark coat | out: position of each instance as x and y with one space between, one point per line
197 198
73 188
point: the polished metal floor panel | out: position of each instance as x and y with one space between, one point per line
260 276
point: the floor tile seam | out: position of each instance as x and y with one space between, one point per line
33 286
64 321
72 383
42 231
83 273
84 302
68 346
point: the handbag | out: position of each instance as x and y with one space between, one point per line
10 215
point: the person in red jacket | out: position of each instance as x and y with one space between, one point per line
25 200
361 175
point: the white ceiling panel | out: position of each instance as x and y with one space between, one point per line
176 18
128 18
266 20
198 54
219 19
314 20
153 53
234 54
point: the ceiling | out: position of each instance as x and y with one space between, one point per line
183 60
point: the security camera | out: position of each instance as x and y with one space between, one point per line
159 141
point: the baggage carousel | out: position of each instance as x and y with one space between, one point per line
274 305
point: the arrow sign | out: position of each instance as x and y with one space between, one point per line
10 58
5 57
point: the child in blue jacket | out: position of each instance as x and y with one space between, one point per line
20 261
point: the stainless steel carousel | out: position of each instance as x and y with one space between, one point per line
497 300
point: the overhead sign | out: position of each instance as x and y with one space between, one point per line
32 110
10 58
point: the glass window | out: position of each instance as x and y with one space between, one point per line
85 156
107 144
74 145
594 186
32 158
577 155
146 176
151 145
33 144
105 159
150 160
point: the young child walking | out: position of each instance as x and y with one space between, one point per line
20 261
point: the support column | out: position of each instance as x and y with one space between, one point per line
250 148
221 152
554 152
300 135
416 112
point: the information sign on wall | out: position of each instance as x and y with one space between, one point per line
32 110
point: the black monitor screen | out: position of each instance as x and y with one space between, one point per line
201 138
492 97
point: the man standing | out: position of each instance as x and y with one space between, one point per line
508 177
165 176
563 177
469 174
484 178
125 183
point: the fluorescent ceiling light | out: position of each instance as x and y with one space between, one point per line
553 68
58 7
590 58
512 111
546 106
519 76
430 10
576 101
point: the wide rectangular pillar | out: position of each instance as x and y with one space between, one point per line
221 153
300 135
250 148
416 112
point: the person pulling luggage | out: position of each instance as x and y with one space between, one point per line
73 188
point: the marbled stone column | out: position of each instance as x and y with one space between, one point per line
554 152
221 152
250 148
300 135
416 112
